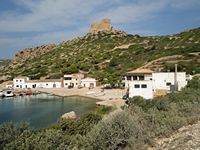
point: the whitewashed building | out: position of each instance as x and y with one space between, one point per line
166 80
20 82
89 82
146 83
73 80
76 80
47 83
24 82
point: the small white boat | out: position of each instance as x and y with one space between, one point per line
1 93
90 93
97 94
8 93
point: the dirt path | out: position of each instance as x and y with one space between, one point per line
174 57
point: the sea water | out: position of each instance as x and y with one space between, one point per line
42 110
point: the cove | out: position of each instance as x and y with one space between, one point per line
42 110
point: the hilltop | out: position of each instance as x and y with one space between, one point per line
106 53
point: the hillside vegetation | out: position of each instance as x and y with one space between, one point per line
4 62
136 127
108 55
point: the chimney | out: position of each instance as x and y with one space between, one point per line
175 78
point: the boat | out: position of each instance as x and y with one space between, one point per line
8 93
100 93
1 93
28 92
90 93
19 93
36 92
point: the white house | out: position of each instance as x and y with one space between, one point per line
20 82
76 80
137 75
89 82
146 83
24 82
47 83
73 80
166 80
141 88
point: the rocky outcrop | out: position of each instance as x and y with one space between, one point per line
186 138
69 115
29 53
104 25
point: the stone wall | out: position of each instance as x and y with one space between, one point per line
104 25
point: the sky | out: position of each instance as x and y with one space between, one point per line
29 23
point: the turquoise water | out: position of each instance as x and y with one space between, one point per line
41 110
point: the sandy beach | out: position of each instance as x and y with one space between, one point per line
108 97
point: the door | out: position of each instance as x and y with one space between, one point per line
91 85
54 85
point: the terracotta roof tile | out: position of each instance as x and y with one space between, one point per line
141 71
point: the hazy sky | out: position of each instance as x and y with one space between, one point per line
28 23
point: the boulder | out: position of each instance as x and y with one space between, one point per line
69 115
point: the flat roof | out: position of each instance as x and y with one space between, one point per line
46 80
89 79
75 75
21 77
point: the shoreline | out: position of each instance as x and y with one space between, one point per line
111 97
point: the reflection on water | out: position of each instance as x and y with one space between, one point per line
41 110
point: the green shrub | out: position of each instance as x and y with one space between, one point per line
116 131
80 126
103 109
194 83
10 132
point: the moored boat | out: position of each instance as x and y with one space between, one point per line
1 93
28 92
19 93
8 93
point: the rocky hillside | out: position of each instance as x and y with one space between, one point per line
186 138
106 53
30 53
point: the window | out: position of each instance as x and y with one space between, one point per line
141 77
20 80
65 83
16 80
76 83
134 77
47 84
144 86
128 77
150 78
68 78
137 86
168 83
17 86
